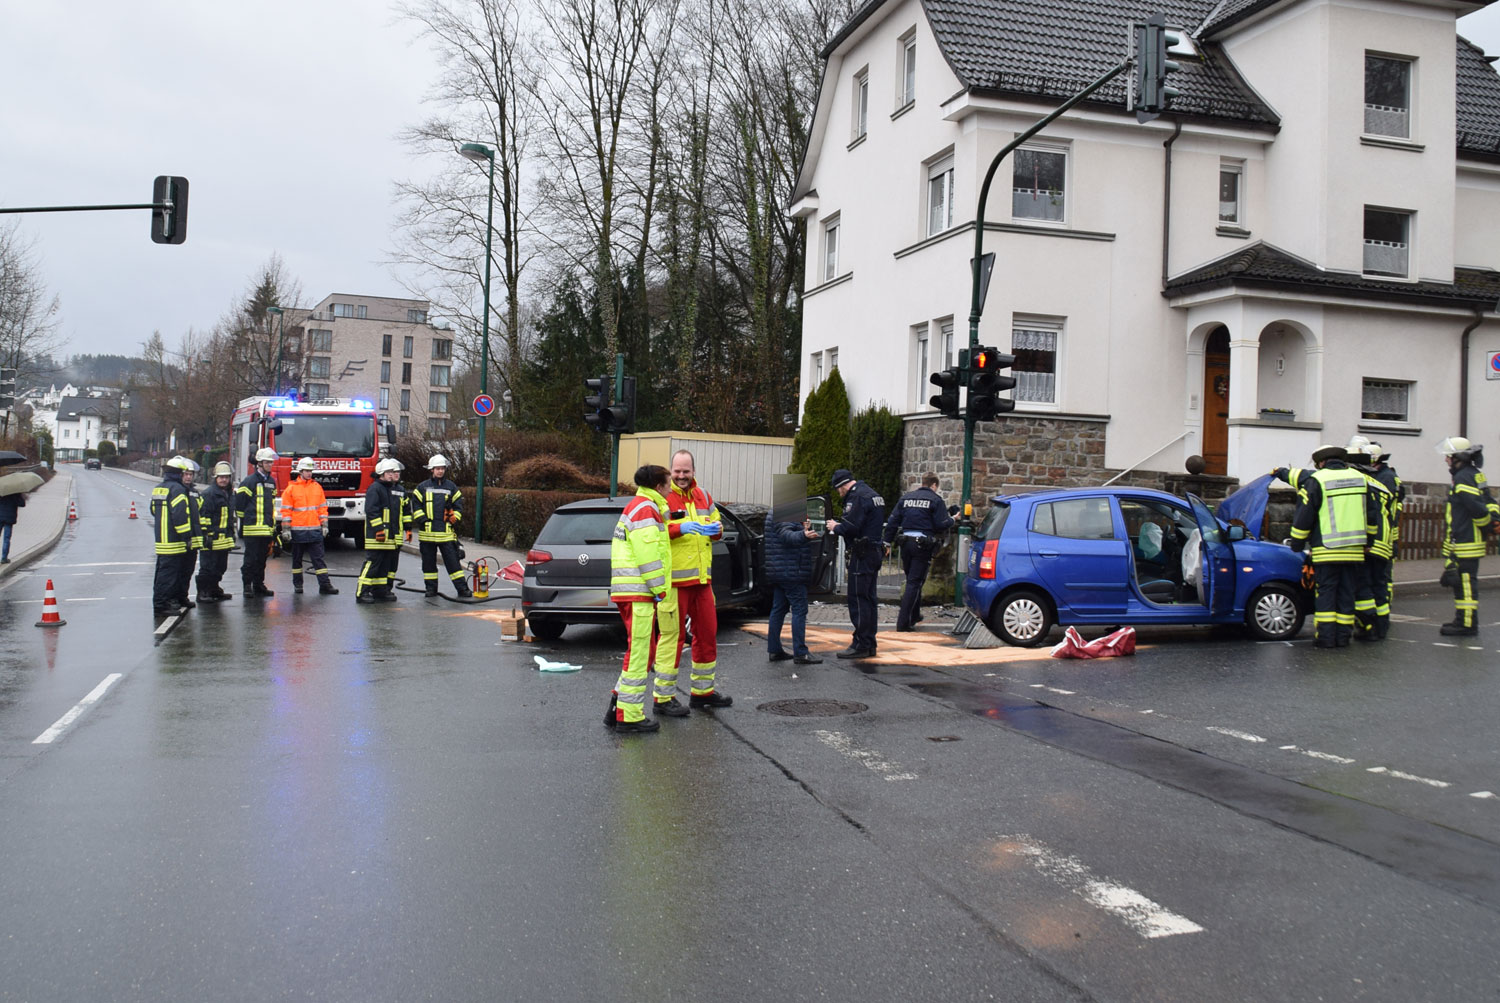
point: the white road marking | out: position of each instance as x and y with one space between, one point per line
1443 644
166 626
1242 735
1051 689
117 572
33 602
62 723
102 564
1318 755
1482 794
840 742
1408 776
1142 915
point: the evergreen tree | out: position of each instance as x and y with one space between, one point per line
821 445
875 440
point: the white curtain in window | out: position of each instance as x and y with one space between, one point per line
1028 339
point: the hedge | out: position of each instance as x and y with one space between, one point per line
513 518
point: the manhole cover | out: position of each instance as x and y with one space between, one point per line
813 708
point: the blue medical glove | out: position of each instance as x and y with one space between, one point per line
712 529
693 529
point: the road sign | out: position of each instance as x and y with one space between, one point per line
484 405
1492 371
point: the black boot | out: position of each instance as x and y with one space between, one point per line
671 708
385 595
262 591
326 588
431 592
1458 630
364 597
708 701
464 592
644 727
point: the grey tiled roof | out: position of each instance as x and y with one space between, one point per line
1478 124
1026 47
1227 12
1266 266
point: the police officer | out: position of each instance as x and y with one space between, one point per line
864 514
218 535
436 507
255 505
385 525
916 519
1469 510
173 516
1333 519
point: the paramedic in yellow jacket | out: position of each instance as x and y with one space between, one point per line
640 575
693 525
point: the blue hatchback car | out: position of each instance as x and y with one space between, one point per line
1116 556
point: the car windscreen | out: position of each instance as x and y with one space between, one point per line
586 526
326 435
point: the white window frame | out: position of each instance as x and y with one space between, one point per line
832 231
1389 115
937 216
861 104
1406 387
1029 387
440 376
922 366
1235 167
906 69
1387 252
815 371
831 360
1041 146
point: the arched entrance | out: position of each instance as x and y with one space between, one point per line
1216 401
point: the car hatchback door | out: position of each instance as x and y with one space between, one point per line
1080 555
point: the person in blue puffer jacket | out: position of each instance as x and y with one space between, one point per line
788 566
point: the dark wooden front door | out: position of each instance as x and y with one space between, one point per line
1216 403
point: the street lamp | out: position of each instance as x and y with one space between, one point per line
281 330
479 153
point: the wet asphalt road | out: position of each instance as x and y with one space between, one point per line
302 798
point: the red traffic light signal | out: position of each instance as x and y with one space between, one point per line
986 383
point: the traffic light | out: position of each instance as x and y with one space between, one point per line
947 400
596 403
622 411
1152 95
7 388
985 383
169 225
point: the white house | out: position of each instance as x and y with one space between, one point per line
83 422
1302 248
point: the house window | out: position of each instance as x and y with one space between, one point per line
861 103
939 196
404 425
437 403
385 372
406 400
833 359
923 368
945 343
343 309
416 316
1387 239
906 88
406 372
294 344
319 366
1231 173
317 391
830 248
437 427
1040 176
385 344
1387 96
815 371
439 376
320 341
442 348
385 398
407 345
362 311
1034 342
1386 400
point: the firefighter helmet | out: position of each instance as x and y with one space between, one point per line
1357 443
1377 453
437 460
266 455
1457 445
387 465
222 469
306 463
181 463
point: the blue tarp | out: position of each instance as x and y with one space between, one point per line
1248 505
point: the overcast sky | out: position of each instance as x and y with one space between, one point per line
283 116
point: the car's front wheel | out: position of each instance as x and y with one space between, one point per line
1273 614
546 630
1021 618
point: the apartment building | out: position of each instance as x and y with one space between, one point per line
382 349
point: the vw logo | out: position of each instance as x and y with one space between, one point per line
583 559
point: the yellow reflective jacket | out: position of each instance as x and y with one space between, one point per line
640 556
1334 513
692 555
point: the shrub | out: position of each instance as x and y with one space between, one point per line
551 473
108 454
875 451
821 445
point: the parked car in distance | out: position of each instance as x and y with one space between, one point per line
92 464
1118 556
567 569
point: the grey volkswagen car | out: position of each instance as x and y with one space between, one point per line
567 568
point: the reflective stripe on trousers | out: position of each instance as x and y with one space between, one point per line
630 688
701 617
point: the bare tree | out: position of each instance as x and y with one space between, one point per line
28 315
255 339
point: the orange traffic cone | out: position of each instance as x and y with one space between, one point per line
132 511
72 512
50 617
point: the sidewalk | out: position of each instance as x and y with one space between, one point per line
41 523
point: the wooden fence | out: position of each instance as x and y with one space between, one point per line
1422 532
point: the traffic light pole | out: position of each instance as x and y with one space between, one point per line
976 307
614 435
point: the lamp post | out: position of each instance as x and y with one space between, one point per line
479 153
281 331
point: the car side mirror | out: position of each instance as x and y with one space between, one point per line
1235 533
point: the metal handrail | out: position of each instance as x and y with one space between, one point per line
1143 459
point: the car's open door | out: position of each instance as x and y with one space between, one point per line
736 558
825 577
1217 558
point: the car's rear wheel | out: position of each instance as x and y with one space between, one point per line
1021 618
547 630
1273 614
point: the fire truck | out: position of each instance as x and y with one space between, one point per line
343 436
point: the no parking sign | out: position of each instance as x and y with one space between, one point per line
1492 371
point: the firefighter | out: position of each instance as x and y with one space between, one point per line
864 515
173 515
304 510
437 507
385 524
1332 521
255 505
918 517
1469 510
1372 598
640 557
195 536
693 524
218 534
